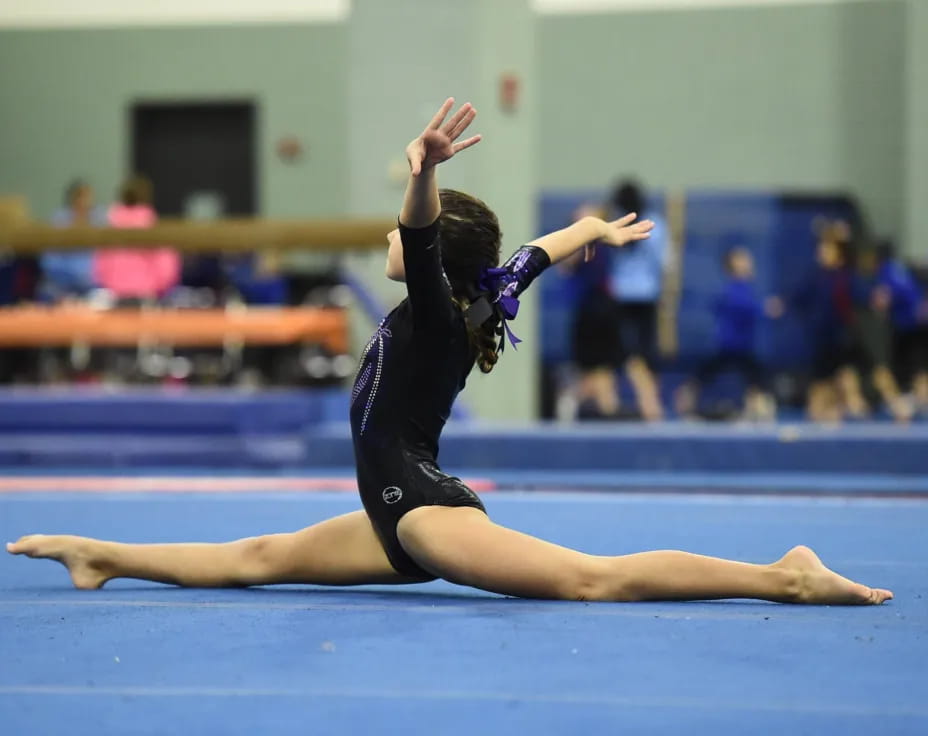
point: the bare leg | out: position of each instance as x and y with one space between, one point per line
759 405
886 384
645 387
849 385
598 385
462 545
341 551
823 403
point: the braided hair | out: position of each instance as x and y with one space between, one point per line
470 243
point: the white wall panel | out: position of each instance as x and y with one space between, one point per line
116 13
576 7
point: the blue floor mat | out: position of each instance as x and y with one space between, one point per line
141 658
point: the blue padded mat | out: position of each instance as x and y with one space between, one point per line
140 658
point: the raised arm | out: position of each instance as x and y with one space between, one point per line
436 144
428 289
587 231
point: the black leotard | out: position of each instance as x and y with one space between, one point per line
411 371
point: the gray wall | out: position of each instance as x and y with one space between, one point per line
805 96
66 94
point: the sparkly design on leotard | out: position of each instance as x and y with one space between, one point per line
367 368
360 381
381 348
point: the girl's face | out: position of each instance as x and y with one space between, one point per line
395 270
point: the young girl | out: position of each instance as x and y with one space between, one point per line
418 523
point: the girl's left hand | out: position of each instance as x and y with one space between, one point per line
437 142
626 230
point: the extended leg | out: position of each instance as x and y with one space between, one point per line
598 385
340 551
462 545
645 387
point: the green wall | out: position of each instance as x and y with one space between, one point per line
916 136
814 97
398 77
801 96
65 97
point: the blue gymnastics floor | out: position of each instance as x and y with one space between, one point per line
140 658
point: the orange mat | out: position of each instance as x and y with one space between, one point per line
36 326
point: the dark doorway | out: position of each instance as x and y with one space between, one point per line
200 157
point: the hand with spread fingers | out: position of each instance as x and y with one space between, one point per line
618 232
625 230
437 143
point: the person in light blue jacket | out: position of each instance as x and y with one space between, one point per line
68 274
636 283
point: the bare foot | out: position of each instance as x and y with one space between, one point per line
75 553
819 585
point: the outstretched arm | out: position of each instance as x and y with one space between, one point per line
588 230
428 289
421 206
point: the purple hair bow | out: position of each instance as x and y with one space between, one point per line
496 286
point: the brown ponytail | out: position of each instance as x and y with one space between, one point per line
470 242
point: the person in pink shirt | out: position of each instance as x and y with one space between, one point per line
136 273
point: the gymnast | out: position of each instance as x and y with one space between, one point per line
418 523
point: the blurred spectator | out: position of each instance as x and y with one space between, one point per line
136 273
897 288
875 333
843 313
18 283
597 351
259 280
737 312
826 301
636 283
68 274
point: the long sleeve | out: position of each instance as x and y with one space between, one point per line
523 267
426 284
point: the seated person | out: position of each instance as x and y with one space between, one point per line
68 274
136 273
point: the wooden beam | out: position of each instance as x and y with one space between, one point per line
231 235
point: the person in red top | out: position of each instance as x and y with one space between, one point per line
419 523
136 273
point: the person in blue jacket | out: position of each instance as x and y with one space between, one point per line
906 307
68 275
738 311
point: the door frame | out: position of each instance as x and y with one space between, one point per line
132 141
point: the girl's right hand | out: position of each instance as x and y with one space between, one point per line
437 142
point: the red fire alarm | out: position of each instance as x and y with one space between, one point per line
289 149
509 92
